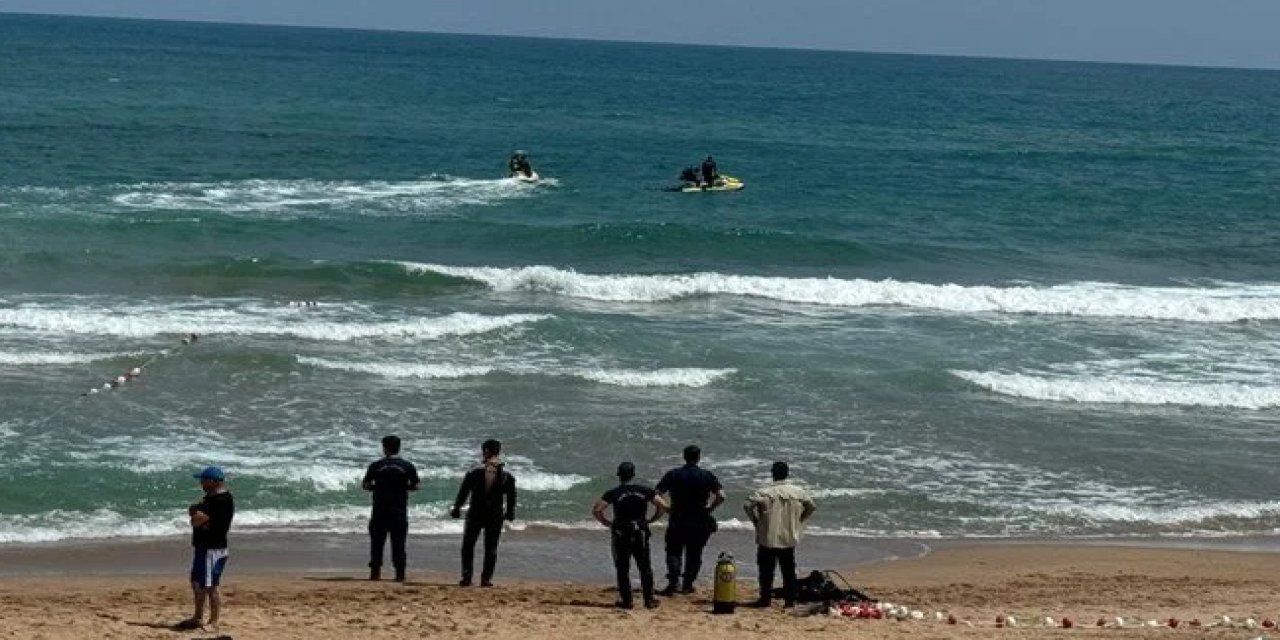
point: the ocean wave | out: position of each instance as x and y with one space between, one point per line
1227 302
154 320
274 196
1124 390
671 377
37 358
1199 516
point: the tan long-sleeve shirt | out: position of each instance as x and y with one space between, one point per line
779 511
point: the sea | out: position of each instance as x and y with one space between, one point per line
963 298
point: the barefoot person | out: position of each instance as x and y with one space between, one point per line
695 494
629 529
492 495
390 480
210 522
778 511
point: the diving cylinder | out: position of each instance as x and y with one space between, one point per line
724 598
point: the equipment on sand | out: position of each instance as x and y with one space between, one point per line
724 598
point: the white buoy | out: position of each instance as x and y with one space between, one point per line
917 615
136 371
1250 623
1048 622
121 379
93 390
106 385
937 615
1119 621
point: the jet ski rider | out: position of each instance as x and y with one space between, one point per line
709 173
519 165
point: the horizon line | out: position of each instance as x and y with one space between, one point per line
674 43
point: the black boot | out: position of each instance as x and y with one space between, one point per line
375 573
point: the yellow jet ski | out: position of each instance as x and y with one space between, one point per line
721 183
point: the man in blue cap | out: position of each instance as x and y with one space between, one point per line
210 522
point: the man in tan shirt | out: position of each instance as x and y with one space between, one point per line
778 511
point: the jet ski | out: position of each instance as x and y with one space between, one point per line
532 176
721 183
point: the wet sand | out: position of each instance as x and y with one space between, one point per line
973 582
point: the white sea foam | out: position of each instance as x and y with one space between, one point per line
1226 302
37 358
399 369
673 377
677 377
1202 515
289 196
1125 390
152 320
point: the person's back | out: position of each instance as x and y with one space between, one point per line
778 511
491 493
709 172
695 493
630 532
389 479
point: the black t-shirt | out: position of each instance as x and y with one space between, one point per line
213 535
690 487
391 479
630 504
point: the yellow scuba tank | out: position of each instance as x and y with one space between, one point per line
724 598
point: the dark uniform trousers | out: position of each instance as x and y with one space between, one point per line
685 539
380 528
632 541
767 558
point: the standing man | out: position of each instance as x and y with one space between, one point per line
210 522
630 531
695 494
709 172
492 493
778 512
390 480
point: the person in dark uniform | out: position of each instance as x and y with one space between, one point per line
390 479
492 494
709 172
695 494
629 529
210 522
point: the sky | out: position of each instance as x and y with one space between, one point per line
1226 33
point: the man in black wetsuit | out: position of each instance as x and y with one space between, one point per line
210 522
630 532
492 494
695 494
709 172
390 479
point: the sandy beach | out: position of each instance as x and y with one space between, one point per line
973 582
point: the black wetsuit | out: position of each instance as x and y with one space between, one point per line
630 535
691 524
390 479
519 166
491 502
709 173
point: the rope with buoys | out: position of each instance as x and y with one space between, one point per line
121 380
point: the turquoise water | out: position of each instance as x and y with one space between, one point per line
961 297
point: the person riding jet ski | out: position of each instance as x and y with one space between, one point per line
709 172
519 165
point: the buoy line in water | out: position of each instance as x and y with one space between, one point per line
125 378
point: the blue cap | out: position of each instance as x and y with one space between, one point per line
211 473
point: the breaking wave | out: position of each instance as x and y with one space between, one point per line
1227 302
1125 390
673 377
